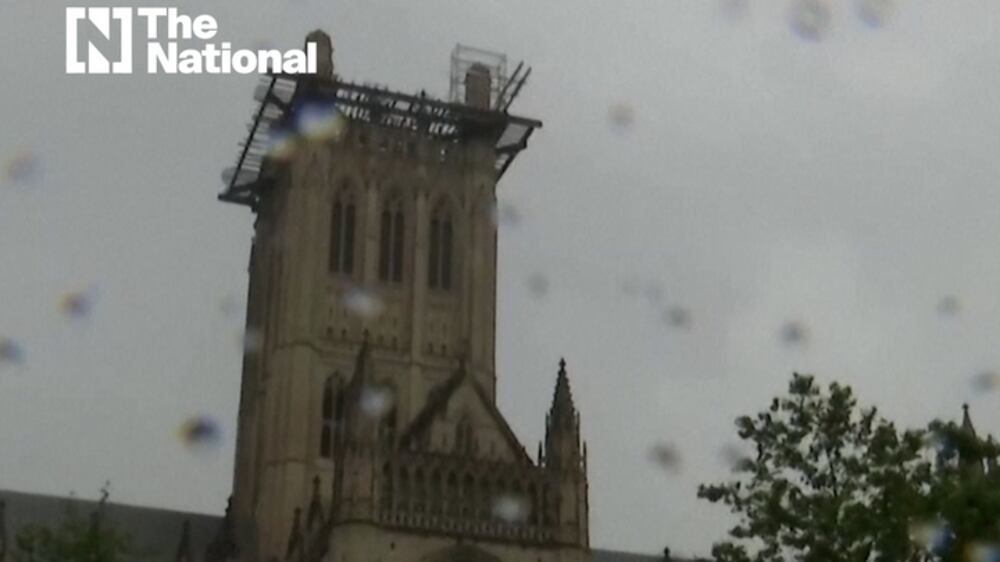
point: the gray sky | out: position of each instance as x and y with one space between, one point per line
847 184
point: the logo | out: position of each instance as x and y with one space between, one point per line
101 40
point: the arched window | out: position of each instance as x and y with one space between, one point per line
342 224
390 264
440 267
326 432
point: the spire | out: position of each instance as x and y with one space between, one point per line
563 411
969 456
184 546
967 427
315 506
562 425
295 537
223 547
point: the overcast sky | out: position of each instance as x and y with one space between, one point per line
845 185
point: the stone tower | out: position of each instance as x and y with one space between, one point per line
368 428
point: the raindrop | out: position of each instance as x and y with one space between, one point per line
10 352
734 10
511 508
987 381
505 214
200 434
320 121
734 458
252 340
875 13
76 304
983 552
538 285
666 456
932 536
229 307
22 168
810 19
949 305
363 302
794 333
376 401
677 316
621 116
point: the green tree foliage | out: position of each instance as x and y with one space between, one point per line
829 482
76 538
965 494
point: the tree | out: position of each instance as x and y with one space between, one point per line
75 539
829 482
964 496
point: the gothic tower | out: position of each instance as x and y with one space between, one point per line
368 427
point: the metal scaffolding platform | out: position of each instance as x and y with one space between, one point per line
280 95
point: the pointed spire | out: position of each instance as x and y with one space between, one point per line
295 537
971 462
563 411
184 546
315 506
967 426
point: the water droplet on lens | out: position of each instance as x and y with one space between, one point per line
810 19
666 456
363 302
538 285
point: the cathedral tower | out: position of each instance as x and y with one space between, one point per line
368 427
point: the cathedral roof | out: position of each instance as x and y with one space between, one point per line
157 531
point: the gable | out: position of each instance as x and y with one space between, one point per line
459 418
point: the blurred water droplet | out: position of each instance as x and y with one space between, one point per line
733 457
363 302
983 552
200 434
794 333
76 304
987 381
677 316
511 508
653 291
621 116
810 19
933 536
252 340
22 168
666 456
230 307
538 285
875 13
10 352
281 144
320 121
376 401
734 10
630 287
505 214
949 305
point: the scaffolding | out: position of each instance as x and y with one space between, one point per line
279 96
503 88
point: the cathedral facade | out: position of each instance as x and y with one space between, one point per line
368 427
